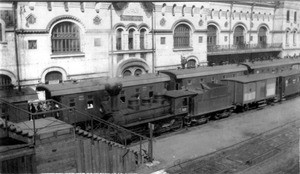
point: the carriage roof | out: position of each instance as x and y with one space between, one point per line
142 79
204 71
73 87
264 64
67 88
289 73
251 78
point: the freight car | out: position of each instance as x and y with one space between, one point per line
252 91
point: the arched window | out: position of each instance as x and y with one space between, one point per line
119 39
295 37
138 72
239 36
1 35
142 38
262 36
183 10
173 9
288 16
53 77
5 81
193 10
127 73
130 39
287 33
65 38
182 36
163 9
191 63
211 35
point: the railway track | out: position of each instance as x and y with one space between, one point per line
245 155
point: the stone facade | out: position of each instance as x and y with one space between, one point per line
119 39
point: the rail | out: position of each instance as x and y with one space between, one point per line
84 123
220 48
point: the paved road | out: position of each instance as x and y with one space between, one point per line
199 141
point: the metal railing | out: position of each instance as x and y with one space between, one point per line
220 48
84 123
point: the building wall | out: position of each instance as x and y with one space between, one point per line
98 23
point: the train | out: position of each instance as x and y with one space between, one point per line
172 99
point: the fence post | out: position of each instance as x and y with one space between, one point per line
34 131
140 155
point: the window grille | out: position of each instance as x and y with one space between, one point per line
182 36
65 38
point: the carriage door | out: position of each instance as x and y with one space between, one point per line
181 105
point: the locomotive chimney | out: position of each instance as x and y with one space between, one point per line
113 90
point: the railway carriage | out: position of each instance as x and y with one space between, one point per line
275 66
252 90
187 78
89 96
288 84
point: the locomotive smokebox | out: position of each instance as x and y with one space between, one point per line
113 89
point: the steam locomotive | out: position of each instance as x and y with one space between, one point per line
171 99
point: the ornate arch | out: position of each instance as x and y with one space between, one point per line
54 68
143 25
58 19
10 74
183 21
214 23
240 24
131 62
131 25
264 25
119 25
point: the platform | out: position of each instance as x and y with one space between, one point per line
202 140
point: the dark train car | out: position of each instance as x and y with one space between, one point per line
187 78
212 101
19 99
89 96
141 99
288 84
138 92
275 66
252 90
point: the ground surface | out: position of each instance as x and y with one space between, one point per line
199 141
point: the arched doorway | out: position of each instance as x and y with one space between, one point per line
211 35
238 36
262 37
5 82
53 77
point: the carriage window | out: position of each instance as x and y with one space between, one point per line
294 81
185 102
123 99
233 75
189 82
90 102
151 94
224 77
213 80
71 102
201 80
137 90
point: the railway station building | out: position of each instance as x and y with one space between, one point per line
53 42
